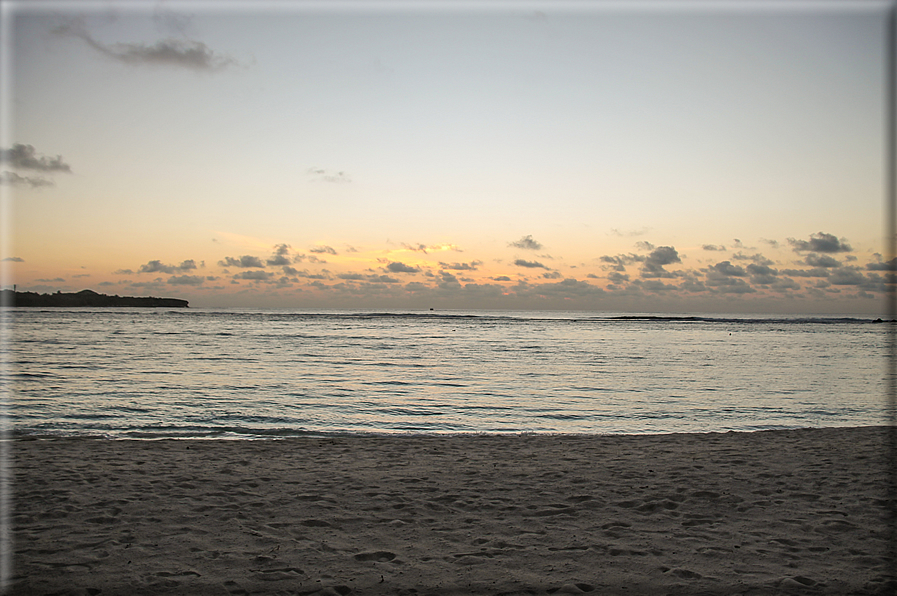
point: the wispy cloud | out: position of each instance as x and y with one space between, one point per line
415 247
644 245
26 158
428 248
325 175
757 258
626 233
179 53
13 179
472 266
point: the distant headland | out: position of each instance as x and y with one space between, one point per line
85 298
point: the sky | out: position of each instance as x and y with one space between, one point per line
639 157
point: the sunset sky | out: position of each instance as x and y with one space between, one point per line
659 157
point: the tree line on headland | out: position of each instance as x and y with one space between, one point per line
85 298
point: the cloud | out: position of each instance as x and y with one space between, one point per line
304 273
254 275
640 232
472 266
157 266
244 261
783 284
847 276
762 274
186 280
719 247
529 264
171 21
526 243
178 53
384 279
821 242
148 286
425 249
727 284
415 247
620 261
654 285
643 245
26 158
659 257
886 266
815 272
14 259
322 249
566 288
728 269
664 255
814 260
693 285
323 175
616 277
755 258
13 179
772 243
280 256
397 267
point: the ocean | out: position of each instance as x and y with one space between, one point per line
254 373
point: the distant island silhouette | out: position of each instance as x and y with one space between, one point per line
85 298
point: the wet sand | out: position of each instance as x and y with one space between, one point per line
790 512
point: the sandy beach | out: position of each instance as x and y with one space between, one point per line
791 512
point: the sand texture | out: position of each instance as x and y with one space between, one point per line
778 512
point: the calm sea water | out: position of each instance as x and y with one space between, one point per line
274 373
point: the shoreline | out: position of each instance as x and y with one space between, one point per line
761 512
14 435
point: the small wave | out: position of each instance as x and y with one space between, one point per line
746 320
